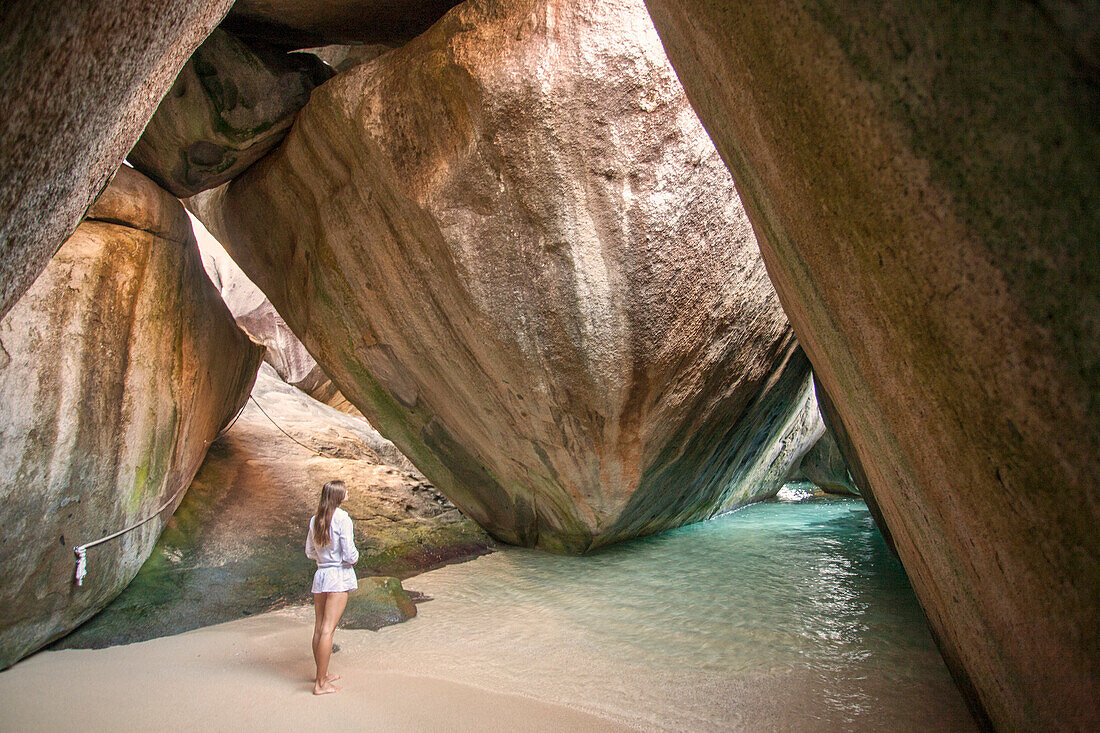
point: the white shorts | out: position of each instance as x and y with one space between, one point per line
334 580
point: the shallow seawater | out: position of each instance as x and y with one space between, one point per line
788 615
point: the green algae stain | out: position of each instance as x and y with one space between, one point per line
138 492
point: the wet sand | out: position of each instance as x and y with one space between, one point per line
253 675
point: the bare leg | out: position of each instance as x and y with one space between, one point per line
328 611
319 602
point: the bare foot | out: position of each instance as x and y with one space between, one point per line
324 689
332 677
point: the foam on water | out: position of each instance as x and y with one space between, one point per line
779 615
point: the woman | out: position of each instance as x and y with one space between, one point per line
330 542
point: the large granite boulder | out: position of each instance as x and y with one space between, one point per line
824 466
925 184
234 547
512 245
80 80
118 367
230 105
295 24
259 319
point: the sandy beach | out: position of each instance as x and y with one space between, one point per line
252 675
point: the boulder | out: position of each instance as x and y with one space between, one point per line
235 546
255 314
835 426
824 466
925 187
376 603
80 80
294 24
230 105
118 367
511 244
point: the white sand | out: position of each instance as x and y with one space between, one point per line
253 675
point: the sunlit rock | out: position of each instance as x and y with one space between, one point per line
255 314
925 184
117 369
512 245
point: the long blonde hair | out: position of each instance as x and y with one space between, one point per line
332 495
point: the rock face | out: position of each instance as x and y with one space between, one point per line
255 314
530 269
835 426
296 24
376 603
926 191
235 545
119 366
824 466
231 104
80 80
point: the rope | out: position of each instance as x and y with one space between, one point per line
311 450
232 422
81 551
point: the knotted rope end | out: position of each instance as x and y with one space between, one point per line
81 564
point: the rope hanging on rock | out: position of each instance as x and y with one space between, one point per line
311 450
81 551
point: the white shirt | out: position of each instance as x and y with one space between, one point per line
340 551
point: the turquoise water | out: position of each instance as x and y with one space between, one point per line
791 615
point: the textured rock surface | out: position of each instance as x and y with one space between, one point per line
378 602
119 366
80 80
231 104
835 426
925 186
530 270
295 24
824 466
255 314
235 545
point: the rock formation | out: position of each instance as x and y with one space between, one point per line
926 191
378 602
511 244
255 314
231 104
824 466
80 80
117 369
235 545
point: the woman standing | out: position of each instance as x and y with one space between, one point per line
330 542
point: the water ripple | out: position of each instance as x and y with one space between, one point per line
802 599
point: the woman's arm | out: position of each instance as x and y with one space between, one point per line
348 554
311 549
